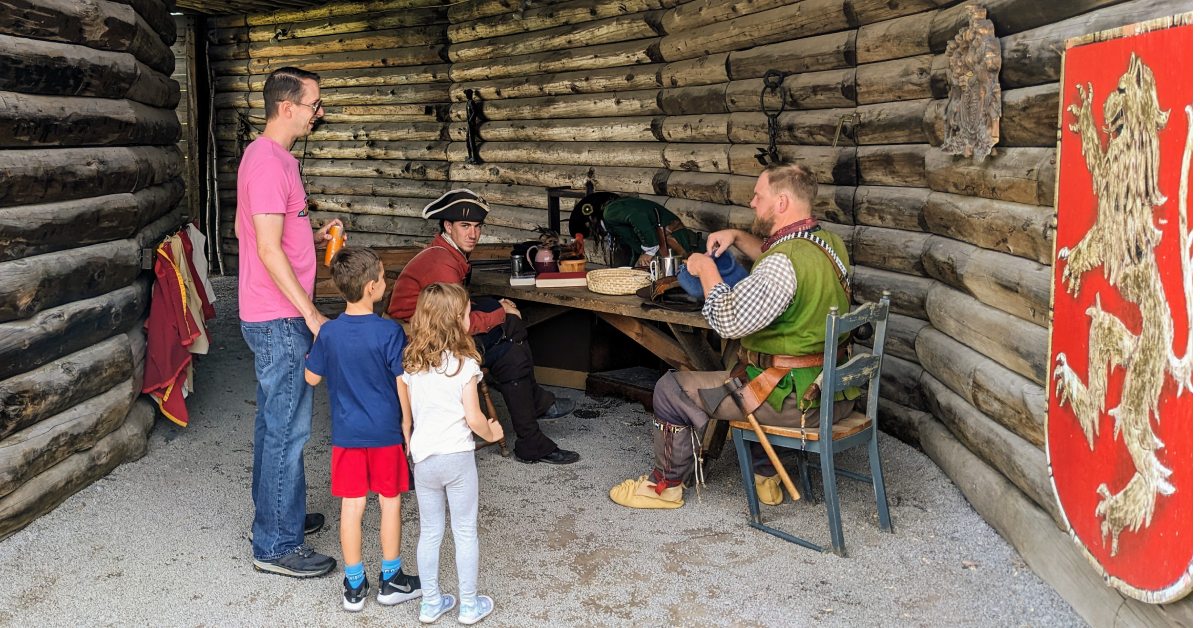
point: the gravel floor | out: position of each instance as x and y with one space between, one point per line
162 541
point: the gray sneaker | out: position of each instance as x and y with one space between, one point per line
302 562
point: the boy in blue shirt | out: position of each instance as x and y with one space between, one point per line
361 357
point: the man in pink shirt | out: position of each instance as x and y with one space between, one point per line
277 268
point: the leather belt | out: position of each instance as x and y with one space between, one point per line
768 361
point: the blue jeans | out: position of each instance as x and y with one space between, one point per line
282 424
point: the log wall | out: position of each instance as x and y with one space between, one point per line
89 175
661 98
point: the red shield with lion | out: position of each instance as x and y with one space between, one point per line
1119 428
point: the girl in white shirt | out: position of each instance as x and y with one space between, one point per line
440 398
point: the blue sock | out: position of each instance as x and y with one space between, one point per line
354 574
390 567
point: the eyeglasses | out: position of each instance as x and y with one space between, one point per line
315 106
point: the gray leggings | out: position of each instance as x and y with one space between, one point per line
440 479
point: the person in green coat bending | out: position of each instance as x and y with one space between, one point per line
634 223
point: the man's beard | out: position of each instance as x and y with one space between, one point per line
762 227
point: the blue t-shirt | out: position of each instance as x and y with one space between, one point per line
360 358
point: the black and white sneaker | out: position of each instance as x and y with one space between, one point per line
401 587
353 599
302 562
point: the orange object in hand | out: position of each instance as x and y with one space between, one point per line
335 244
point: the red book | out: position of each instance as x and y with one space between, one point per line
561 280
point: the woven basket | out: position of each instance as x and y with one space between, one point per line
617 280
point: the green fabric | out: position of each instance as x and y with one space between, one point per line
800 329
632 221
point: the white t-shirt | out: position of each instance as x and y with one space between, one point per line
439 419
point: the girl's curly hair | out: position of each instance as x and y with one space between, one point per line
436 328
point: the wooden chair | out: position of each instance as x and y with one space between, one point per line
830 438
489 410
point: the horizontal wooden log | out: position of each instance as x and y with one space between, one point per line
1030 117
341 25
1014 228
830 165
902 422
618 79
892 207
51 68
702 128
894 38
871 11
1008 17
1010 399
331 10
384 95
908 293
38 229
368 214
1050 553
1034 56
891 249
43 176
476 9
698 186
795 56
792 21
1015 343
1023 463
911 78
601 31
422 74
373 186
900 122
613 179
45 391
902 334
408 56
811 90
817 127
158 15
94 23
1020 175
29 120
690 15
32 284
1016 285
704 70
636 154
351 114
696 157
332 44
50 488
31 451
540 18
382 150
694 99
636 52
892 165
388 169
635 103
618 129
30 343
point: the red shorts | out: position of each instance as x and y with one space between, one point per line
354 471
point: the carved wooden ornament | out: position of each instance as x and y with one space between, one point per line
973 110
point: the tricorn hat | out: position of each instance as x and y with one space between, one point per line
456 205
589 210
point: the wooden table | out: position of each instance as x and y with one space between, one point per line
688 346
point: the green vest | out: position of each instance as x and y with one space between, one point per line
800 329
632 221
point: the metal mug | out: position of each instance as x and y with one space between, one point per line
663 267
518 265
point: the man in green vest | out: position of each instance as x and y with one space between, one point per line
778 312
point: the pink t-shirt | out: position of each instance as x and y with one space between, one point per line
269 183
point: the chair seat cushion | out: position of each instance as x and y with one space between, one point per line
848 426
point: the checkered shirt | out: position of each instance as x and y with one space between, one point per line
755 302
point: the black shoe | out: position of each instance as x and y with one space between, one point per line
558 456
313 522
401 587
560 408
353 600
301 562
